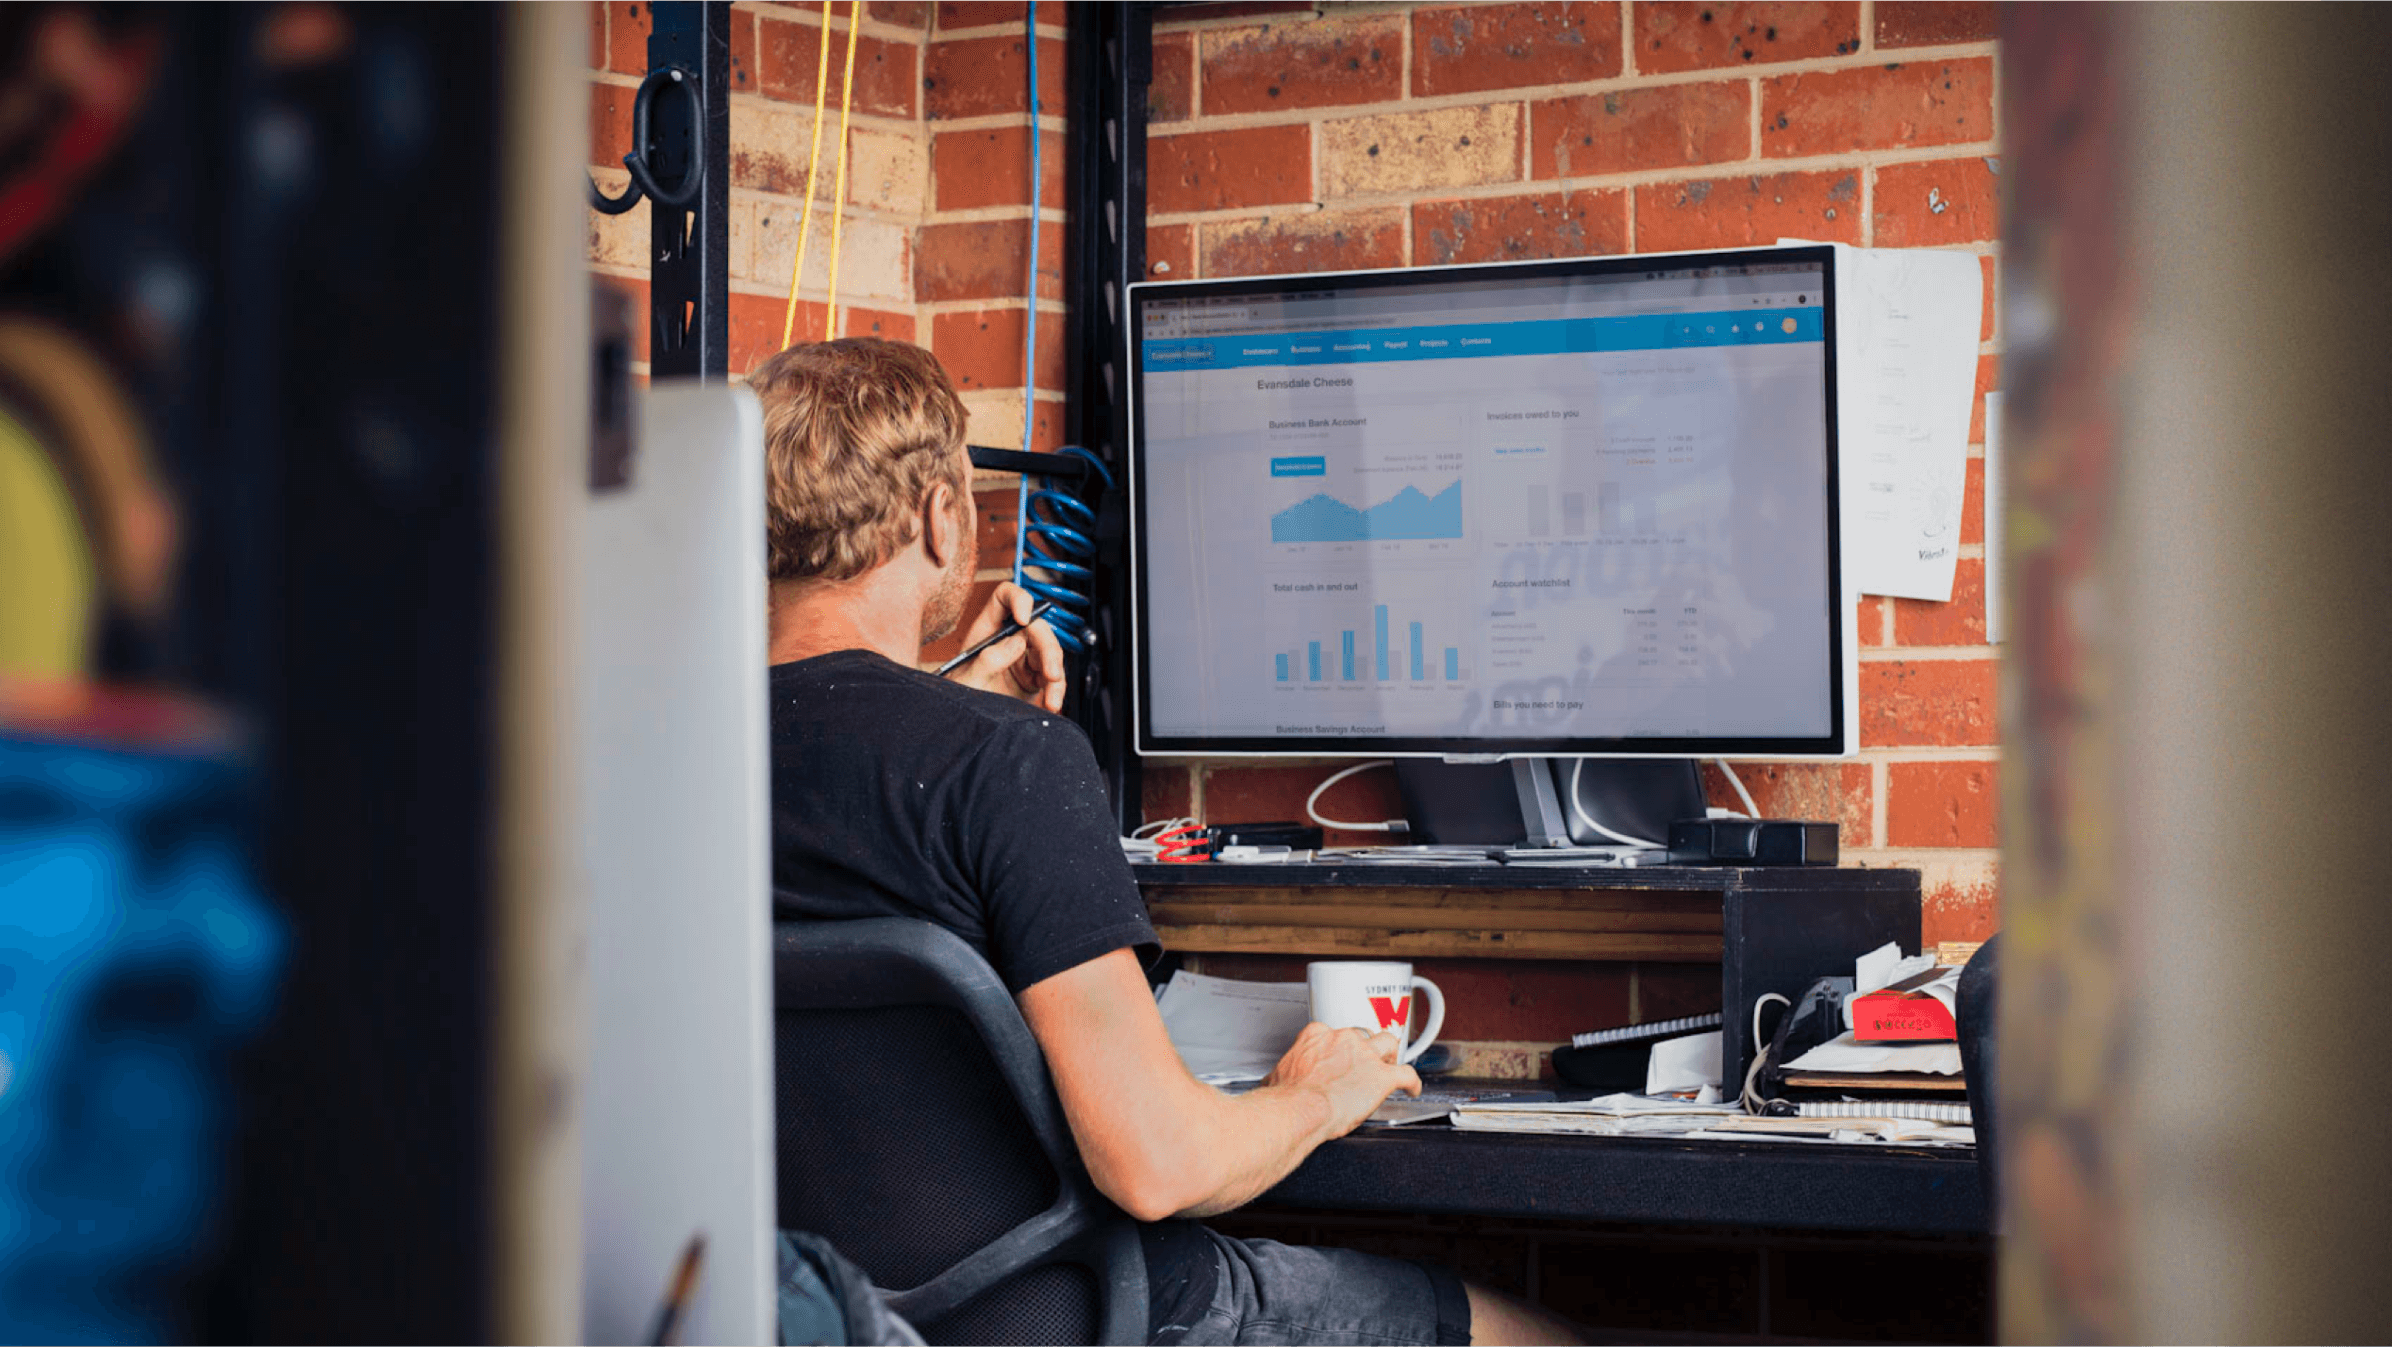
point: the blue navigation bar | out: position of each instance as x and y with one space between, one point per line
1556 336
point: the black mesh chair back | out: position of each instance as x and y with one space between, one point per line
919 1132
1975 1018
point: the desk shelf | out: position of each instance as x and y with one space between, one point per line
1770 929
1408 922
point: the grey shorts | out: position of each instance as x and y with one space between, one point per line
1270 1293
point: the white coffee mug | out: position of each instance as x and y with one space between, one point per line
1376 997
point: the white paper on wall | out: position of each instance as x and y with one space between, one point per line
1993 518
1906 375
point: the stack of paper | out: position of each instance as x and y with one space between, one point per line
1845 1055
1632 1115
1232 1031
1907 1131
1613 1115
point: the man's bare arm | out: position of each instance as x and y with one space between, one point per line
1161 1143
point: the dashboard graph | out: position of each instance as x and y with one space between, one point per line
1408 514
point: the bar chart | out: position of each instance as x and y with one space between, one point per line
1396 653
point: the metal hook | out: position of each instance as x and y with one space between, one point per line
643 183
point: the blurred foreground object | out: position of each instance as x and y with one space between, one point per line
135 954
2196 285
85 524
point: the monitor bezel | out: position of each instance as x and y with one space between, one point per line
1836 742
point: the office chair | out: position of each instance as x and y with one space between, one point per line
1974 1019
919 1132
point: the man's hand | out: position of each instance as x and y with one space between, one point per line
1027 665
1354 1070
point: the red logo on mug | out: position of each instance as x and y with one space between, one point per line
1392 1010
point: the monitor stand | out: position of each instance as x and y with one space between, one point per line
1523 802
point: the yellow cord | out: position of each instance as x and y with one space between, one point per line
805 219
855 21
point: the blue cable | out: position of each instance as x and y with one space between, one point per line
1021 504
1053 529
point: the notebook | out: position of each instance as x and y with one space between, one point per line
1636 1033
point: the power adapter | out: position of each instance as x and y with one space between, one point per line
1295 836
1751 841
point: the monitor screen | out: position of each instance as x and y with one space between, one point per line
1574 507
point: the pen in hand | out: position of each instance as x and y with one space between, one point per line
1001 633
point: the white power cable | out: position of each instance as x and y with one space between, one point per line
1578 808
1751 810
1760 1051
1393 825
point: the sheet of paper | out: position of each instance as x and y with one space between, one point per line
1687 1063
1844 1053
1945 989
1993 518
1906 376
1232 1031
1875 968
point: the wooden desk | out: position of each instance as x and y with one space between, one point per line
1771 929
1787 1185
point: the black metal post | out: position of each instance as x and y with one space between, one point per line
1111 61
689 290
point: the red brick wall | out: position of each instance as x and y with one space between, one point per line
937 207
1393 135
1289 137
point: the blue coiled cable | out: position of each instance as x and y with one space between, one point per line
1057 537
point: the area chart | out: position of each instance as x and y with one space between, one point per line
1408 514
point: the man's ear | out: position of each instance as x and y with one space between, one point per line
942 530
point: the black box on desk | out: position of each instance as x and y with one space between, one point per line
1751 841
1780 930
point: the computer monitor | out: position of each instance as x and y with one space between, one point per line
1585 507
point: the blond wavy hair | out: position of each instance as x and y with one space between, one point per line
856 432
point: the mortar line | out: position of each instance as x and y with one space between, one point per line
1929 654
1571 89
1752 152
1714 172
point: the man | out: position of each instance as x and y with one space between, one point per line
972 804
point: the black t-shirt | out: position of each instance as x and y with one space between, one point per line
896 793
